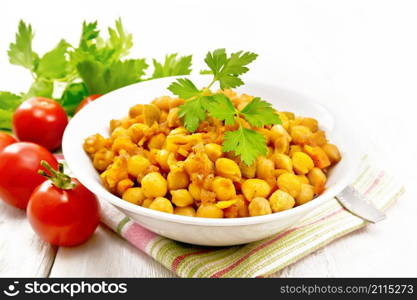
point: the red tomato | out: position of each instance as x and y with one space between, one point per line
62 211
6 140
41 121
86 101
19 165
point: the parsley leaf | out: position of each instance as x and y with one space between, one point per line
193 112
260 113
216 60
227 70
221 108
5 119
119 40
184 88
8 103
246 143
40 87
73 94
20 52
172 66
101 79
54 64
93 47
89 33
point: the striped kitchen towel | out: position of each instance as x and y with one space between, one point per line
262 258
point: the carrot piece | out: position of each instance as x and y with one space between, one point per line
319 157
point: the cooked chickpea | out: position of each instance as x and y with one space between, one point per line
134 195
300 134
281 145
123 185
151 114
102 159
147 202
123 143
156 141
259 206
318 138
281 139
137 132
302 163
188 211
242 207
195 191
279 172
136 165
282 161
209 210
231 212
161 158
198 164
214 151
295 148
289 183
284 120
136 110
118 132
224 188
175 102
319 157
162 204
303 179
172 119
311 123
306 194
228 168
116 172
278 131
280 201
182 198
114 124
177 180
154 185
255 187
266 133
332 153
318 179
94 143
290 115
162 102
264 168
248 171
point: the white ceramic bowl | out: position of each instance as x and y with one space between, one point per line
95 118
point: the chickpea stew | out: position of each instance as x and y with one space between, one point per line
151 159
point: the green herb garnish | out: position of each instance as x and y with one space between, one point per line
246 143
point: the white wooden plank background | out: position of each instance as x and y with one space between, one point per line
358 56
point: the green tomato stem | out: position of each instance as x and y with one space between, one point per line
58 178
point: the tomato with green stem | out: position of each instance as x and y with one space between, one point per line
61 210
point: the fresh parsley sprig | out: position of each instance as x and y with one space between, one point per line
225 70
245 142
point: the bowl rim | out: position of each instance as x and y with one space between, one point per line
131 208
